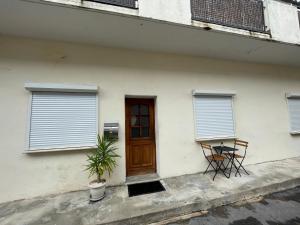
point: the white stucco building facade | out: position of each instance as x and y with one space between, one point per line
154 51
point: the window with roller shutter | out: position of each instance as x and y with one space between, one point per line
213 116
62 117
123 3
294 111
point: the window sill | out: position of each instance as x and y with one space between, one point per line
214 139
59 149
94 5
106 2
293 95
295 132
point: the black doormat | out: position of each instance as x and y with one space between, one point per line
145 188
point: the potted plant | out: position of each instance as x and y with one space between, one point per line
102 159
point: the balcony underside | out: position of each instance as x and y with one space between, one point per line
52 22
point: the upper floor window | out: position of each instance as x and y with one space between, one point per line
299 15
294 111
60 119
124 3
213 115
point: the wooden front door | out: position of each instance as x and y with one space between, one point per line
140 137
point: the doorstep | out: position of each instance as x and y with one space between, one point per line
142 178
184 195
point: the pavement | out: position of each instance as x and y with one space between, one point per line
184 195
281 208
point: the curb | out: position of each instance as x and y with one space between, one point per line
197 206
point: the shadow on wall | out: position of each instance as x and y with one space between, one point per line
81 56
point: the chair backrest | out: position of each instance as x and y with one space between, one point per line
238 142
241 145
206 148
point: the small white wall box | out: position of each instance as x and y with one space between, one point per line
111 130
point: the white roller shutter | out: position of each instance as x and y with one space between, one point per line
62 120
213 117
294 109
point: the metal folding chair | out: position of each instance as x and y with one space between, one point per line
215 160
240 155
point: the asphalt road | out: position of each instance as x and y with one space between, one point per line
282 208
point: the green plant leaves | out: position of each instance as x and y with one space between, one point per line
103 158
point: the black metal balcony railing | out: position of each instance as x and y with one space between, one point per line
242 14
123 3
293 2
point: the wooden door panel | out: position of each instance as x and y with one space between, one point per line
140 136
141 155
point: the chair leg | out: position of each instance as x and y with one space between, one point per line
216 172
245 170
217 169
241 166
222 164
231 159
237 168
237 172
224 170
208 167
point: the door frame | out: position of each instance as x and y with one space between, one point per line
127 132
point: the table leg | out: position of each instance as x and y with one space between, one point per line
230 160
